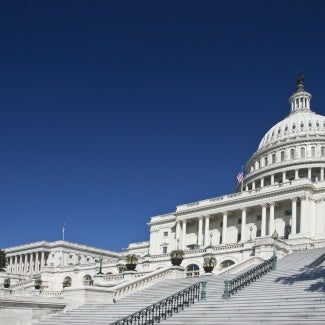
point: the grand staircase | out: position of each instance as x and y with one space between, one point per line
292 294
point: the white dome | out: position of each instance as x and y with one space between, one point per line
296 124
301 121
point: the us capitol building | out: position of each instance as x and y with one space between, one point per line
283 191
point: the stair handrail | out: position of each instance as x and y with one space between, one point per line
166 307
246 278
317 262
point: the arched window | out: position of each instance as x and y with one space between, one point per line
322 151
192 270
313 151
302 152
292 153
273 158
225 264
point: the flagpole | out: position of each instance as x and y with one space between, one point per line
63 229
242 181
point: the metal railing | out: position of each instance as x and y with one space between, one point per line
243 280
166 307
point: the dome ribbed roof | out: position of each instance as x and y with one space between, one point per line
296 124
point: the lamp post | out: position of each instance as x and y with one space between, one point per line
100 265
274 257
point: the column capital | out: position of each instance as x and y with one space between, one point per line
294 199
200 217
207 216
271 204
263 205
225 213
243 209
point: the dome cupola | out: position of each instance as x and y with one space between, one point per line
300 100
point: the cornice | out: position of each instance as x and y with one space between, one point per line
254 198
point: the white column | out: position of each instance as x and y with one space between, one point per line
253 185
30 262
184 235
178 230
322 174
303 214
271 224
224 228
243 225
296 174
199 235
206 231
294 216
19 263
246 188
284 177
263 225
10 264
42 260
37 262
272 179
309 173
262 182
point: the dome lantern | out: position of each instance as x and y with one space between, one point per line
300 100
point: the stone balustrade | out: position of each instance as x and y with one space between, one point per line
237 268
148 280
29 293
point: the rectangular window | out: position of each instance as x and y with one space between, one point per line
273 158
258 218
258 233
287 212
282 155
165 233
239 221
238 237
164 250
221 224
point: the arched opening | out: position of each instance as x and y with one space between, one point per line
87 280
192 271
67 282
226 264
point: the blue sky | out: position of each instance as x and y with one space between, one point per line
115 111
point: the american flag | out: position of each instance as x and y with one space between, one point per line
240 177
